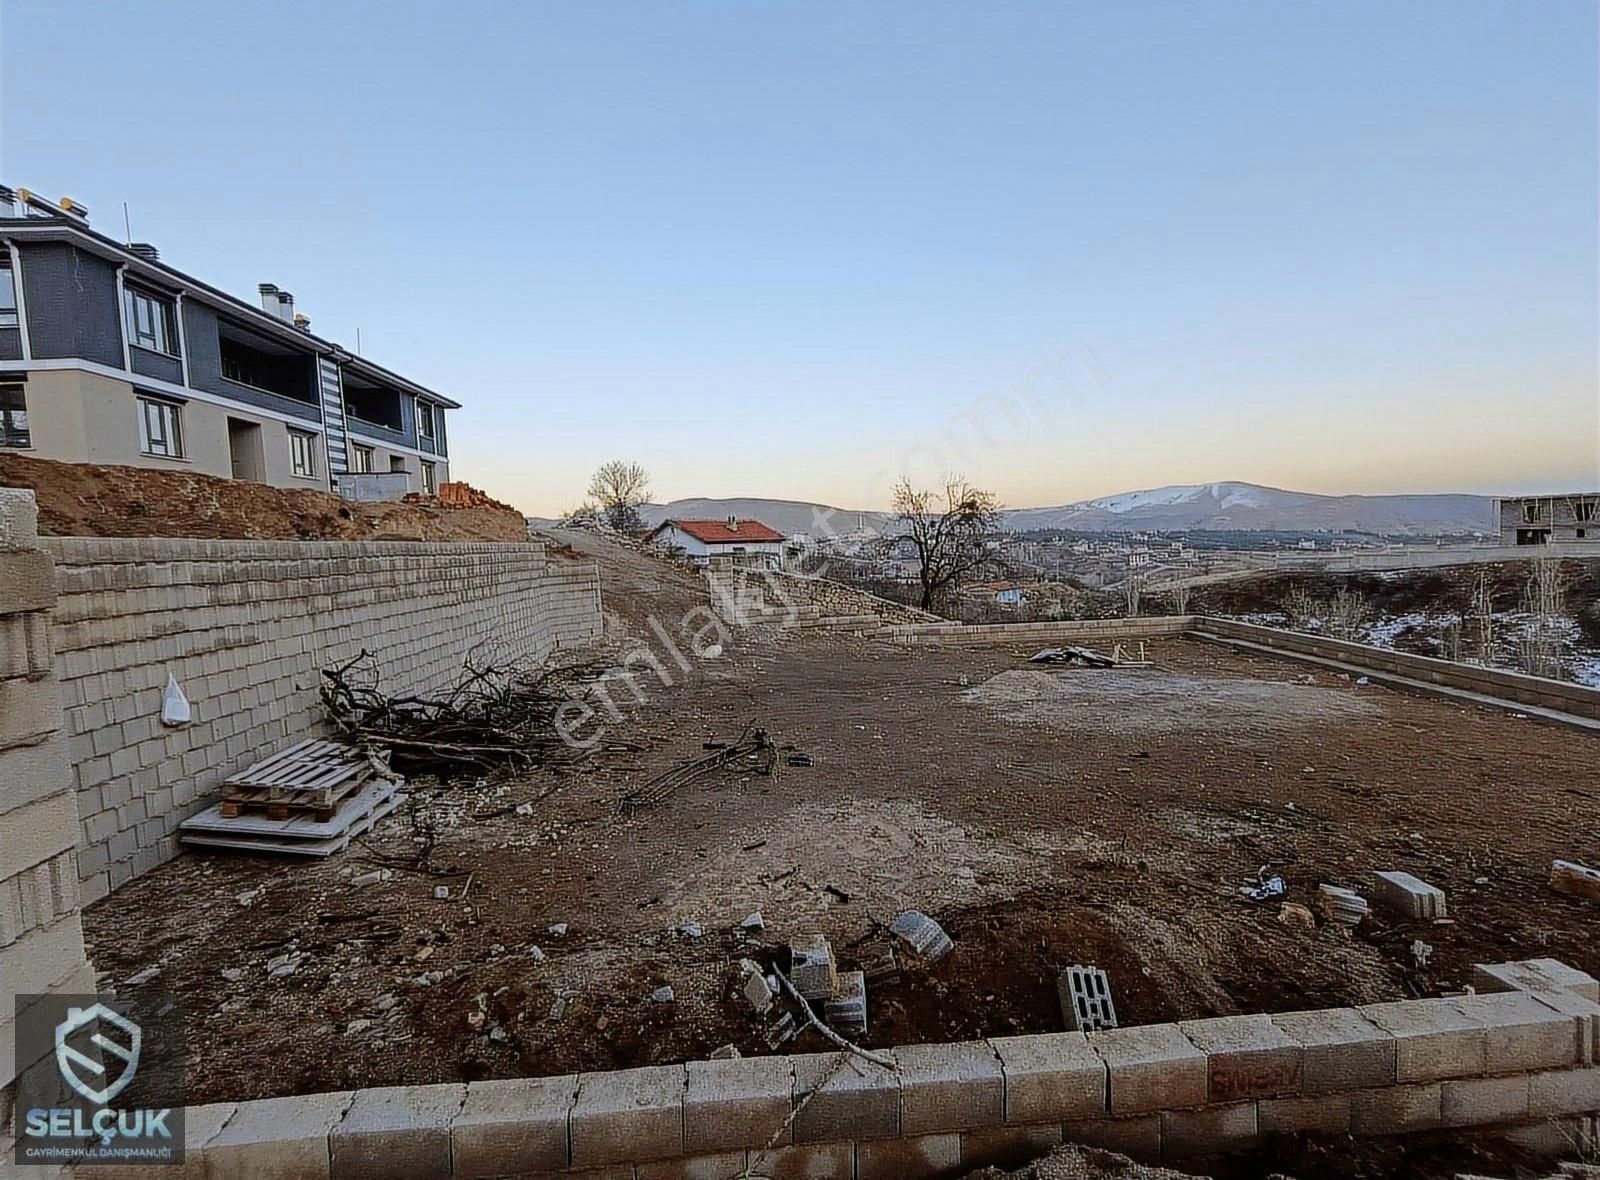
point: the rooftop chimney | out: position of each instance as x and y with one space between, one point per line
269 298
144 250
733 524
286 307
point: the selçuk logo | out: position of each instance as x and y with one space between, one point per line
82 1072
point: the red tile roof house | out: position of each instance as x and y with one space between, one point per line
701 540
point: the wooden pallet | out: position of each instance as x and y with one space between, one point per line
279 804
309 774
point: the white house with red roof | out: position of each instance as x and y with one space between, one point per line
702 540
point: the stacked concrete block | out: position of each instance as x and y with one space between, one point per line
1523 1034
41 934
246 627
1343 1050
1247 1057
849 1099
1434 1039
1151 1068
513 1126
1051 1078
950 1087
279 1138
736 1103
1410 897
620 1118
1535 975
395 1133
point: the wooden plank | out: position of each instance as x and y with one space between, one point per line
273 759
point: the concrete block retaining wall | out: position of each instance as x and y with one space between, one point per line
1536 691
1043 633
41 934
743 595
1172 1091
246 628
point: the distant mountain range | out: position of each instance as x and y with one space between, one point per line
1180 507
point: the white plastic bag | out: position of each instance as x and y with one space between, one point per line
174 705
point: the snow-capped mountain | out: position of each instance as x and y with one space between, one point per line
1233 505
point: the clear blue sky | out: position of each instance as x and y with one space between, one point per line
791 249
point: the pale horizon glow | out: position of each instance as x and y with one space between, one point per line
794 250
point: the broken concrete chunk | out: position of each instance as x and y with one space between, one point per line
233 974
441 893
142 976
813 970
925 937
536 954
756 989
689 930
1575 880
559 930
753 923
284 965
878 962
781 1031
663 995
1085 995
371 878
524 808
846 1012
357 1026
726 1053
1408 896
1342 907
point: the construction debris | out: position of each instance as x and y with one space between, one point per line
756 988
925 937
1575 880
813 970
726 1053
1409 896
1078 657
753 923
1342 907
753 751
663 995
878 963
297 835
1085 995
495 718
846 1009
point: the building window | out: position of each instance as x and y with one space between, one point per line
425 426
150 321
14 417
8 297
430 480
1530 512
303 453
361 460
1586 511
160 428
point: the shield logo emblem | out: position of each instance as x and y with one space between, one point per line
83 1073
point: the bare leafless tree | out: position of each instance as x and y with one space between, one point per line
951 531
1541 648
1349 612
1180 596
619 489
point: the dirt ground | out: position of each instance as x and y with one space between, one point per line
93 500
1045 818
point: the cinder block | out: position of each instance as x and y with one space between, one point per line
1051 1077
1482 1101
737 1103
1137 1137
31 773
1323 1114
924 1157
1535 975
634 1114
19 519
278 1138
1216 1130
1396 1110
1408 897
949 1087
1247 1056
395 1133
1564 1092
30 711
27 581
812 1161
1433 1039
721 1166
1151 1067
1522 1035
1007 1147
858 1100
506 1127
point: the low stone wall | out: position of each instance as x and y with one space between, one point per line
1044 633
1168 1091
246 627
745 595
41 934
1536 691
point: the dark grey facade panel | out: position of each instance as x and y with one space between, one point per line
10 344
205 354
372 430
249 395
155 364
71 297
